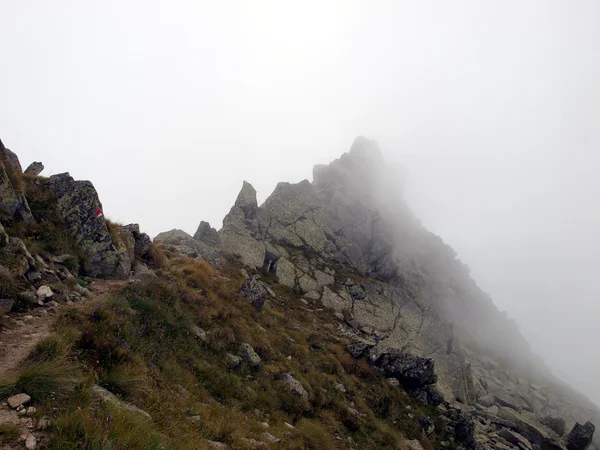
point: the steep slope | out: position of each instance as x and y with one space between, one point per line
349 240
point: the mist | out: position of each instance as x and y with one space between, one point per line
491 106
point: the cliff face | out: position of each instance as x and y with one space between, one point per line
349 240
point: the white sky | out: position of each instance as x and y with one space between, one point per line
493 106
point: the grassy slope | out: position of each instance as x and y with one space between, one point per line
140 345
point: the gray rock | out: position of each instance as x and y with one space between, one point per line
208 235
215 444
80 207
340 387
312 295
180 242
580 437
35 168
413 445
294 386
358 349
199 333
12 202
514 438
412 371
285 272
142 242
63 259
30 442
10 159
18 400
44 292
233 361
528 425
307 283
323 279
493 410
112 400
254 444
141 270
33 276
30 297
248 354
268 437
556 424
254 292
239 235
292 214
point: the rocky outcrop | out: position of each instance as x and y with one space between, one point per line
580 437
556 424
239 235
80 207
142 242
349 240
13 204
208 235
35 168
179 241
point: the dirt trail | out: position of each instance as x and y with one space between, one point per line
25 330
19 338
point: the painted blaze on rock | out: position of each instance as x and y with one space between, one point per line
77 202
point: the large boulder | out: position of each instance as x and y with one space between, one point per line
254 292
580 437
412 371
556 424
80 207
142 242
528 425
35 168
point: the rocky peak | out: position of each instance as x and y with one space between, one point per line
246 200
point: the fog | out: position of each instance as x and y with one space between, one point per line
492 106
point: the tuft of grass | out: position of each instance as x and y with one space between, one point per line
127 379
312 436
42 380
9 288
9 432
159 258
49 349
94 426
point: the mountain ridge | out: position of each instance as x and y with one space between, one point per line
345 248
